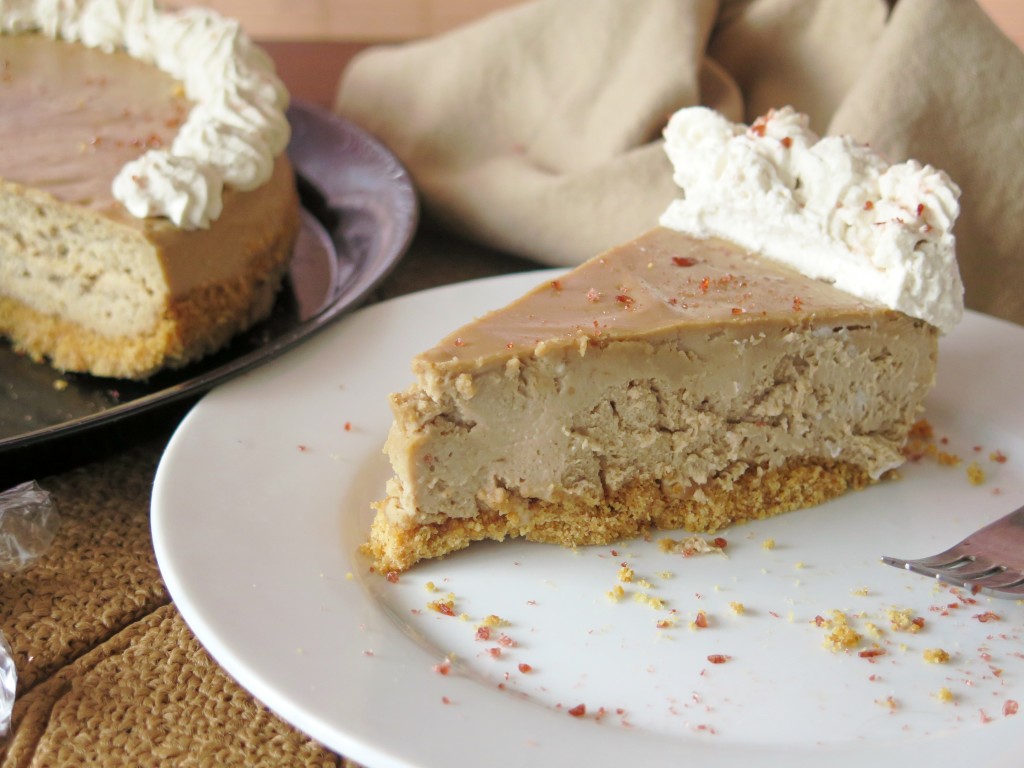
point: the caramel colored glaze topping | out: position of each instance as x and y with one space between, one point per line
643 289
73 116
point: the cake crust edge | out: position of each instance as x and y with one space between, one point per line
627 513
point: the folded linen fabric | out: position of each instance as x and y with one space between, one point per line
536 130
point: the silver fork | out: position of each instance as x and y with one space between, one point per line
990 560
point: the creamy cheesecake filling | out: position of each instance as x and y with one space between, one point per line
73 116
104 278
676 411
71 122
671 382
83 282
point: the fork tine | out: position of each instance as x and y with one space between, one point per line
947 561
991 559
995 580
1005 578
965 568
1000 584
951 558
1010 590
972 571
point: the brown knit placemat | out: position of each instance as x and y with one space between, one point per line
109 674
152 696
99 576
108 671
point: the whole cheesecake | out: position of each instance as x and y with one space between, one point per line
110 284
676 381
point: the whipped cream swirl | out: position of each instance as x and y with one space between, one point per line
829 207
237 126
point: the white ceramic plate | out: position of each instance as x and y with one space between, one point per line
262 500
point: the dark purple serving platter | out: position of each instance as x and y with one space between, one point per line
359 216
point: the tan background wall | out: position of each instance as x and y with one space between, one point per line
349 20
380 20
311 41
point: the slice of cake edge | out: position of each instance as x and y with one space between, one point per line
575 504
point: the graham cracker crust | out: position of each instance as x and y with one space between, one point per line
624 514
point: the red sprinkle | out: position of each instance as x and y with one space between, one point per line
483 633
871 653
683 261
525 668
392 577
718 658
1010 707
579 710
443 607
987 616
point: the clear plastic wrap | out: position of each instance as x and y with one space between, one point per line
28 524
8 684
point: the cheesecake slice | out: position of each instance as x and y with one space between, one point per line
670 382
681 380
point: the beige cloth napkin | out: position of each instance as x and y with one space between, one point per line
537 130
